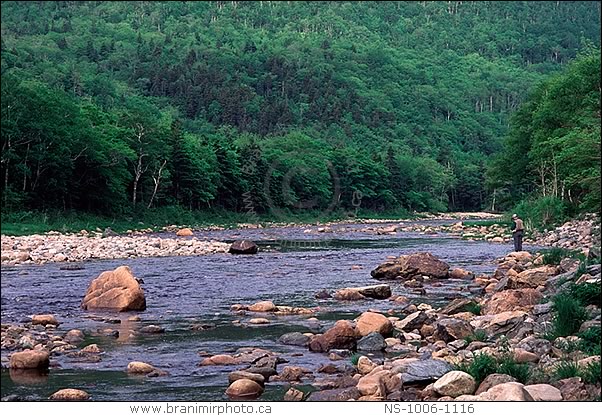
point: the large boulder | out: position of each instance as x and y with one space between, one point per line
243 247
343 335
416 370
532 278
500 324
379 383
413 321
454 384
116 290
458 305
370 322
450 329
544 392
244 389
522 299
379 292
241 374
30 359
263 307
512 391
409 266
44 319
70 395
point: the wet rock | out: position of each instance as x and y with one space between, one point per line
219 360
293 373
459 273
371 343
259 321
185 232
70 395
512 300
116 290
244 389
91 348
511 391
348 294
544 392
414 321
493 380
532 278
454 384
322 295
74 336
293 395
30 359
152 329
450 329
294 339
202 326
416 370
241 374
335 395
243 247
370 322
408 266
263 307
379 292
140 368
343 335
44 319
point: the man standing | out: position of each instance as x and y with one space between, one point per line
518 229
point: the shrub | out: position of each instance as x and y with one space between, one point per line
554 255
587 293
568 315
591 374
520 371
474 308
590 341
565 370
481 366
542 212
479 335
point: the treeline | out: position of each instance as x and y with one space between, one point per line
114 106
551 157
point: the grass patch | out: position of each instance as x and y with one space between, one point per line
479 335
481 366
355 357
590 341
475 309
587 293
555 255
568 316
565 370
519 371
591 374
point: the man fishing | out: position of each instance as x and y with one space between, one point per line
518 230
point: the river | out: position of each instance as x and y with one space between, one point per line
291 267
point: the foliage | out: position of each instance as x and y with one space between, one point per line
555 255
507 365
542 212
268 106
592 373
566 369
355 357
590 341
479 367
587 293
475 309
568 315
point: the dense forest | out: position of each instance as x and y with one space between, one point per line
115 107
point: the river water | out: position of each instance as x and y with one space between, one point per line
290 268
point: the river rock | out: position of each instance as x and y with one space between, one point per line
416 370
70 395
91 348
532 278
293 373
450 329
379 292
243 247
365 365
500 324
244 389
335 395
414 321
30 359
454 384
348 294
152 329
74 336
458 305
294 339
522 299
544 392
459 273
44 319
372 342
293 395
343 335
512 391
409 266
184 232
259 321
140 368
492 380
219 360
370 322
378 384
263 307
116 290
241 374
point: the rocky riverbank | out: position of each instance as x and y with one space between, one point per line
55 247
